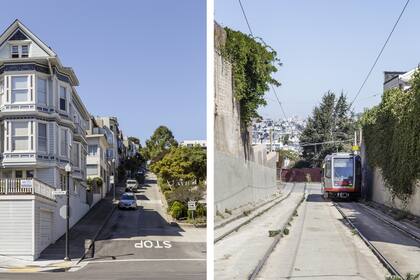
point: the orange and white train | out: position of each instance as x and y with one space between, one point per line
342 176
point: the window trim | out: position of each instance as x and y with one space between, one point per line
28 136
19 46
45 78
46 137
28 78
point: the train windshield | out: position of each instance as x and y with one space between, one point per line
343 171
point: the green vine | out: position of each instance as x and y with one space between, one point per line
392 137
253 64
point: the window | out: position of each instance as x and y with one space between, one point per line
18 174
63 98
1 91
25 51
15 51
20 138
92 169
42 137
19 89
75 154
328 169
92 150
29 173
64 143
63 182
42 91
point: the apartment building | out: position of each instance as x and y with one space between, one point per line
43 124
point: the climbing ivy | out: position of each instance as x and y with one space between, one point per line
392 136
253 64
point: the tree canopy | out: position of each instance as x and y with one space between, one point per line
159 143
331 121
182 166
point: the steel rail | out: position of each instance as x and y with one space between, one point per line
372 247
276 240
394 225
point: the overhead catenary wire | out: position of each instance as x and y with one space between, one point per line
380 53
252 34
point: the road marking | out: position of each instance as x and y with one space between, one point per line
147 260
155 244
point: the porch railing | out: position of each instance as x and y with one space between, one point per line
25 186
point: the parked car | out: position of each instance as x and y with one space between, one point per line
127 201
131 185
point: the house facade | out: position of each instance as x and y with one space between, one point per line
98 162
43 124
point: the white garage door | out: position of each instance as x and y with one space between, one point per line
45 228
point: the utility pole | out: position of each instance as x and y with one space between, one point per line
68 170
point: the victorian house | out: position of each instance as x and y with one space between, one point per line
43 124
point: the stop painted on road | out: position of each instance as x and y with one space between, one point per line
153 244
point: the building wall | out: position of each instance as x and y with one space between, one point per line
381 194
243 174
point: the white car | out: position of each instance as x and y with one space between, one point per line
131 185
127 201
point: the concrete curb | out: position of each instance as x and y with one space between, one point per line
276 240
97 233
217 239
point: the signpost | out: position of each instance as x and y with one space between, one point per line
192 206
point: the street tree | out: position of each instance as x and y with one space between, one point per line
182 166
159 144
332 121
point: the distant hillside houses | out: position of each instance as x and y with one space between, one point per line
278 134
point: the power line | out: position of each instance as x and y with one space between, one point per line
246 18
380 53
252 34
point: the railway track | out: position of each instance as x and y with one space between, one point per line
276 240
388 264
247 221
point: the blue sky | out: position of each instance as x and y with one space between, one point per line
328 45
142 61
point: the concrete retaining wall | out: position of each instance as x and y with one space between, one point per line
382 195
239 182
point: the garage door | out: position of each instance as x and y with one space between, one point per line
45 230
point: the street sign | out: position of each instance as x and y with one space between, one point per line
355 148
26 183
192 205
111 179
59 192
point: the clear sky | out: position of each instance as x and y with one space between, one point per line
141 61
328 45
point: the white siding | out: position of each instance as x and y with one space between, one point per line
16 232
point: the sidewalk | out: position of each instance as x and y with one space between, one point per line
52 257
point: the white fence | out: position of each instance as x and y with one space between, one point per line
25 186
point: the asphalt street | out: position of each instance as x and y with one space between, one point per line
140 244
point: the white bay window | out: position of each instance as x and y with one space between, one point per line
20 136
20 89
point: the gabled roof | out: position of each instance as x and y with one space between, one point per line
18 31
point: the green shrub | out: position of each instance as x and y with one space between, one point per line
201 210
178 210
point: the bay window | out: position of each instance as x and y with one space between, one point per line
20 136
42 137
20 89
42 91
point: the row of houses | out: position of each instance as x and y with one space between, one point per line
44 126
